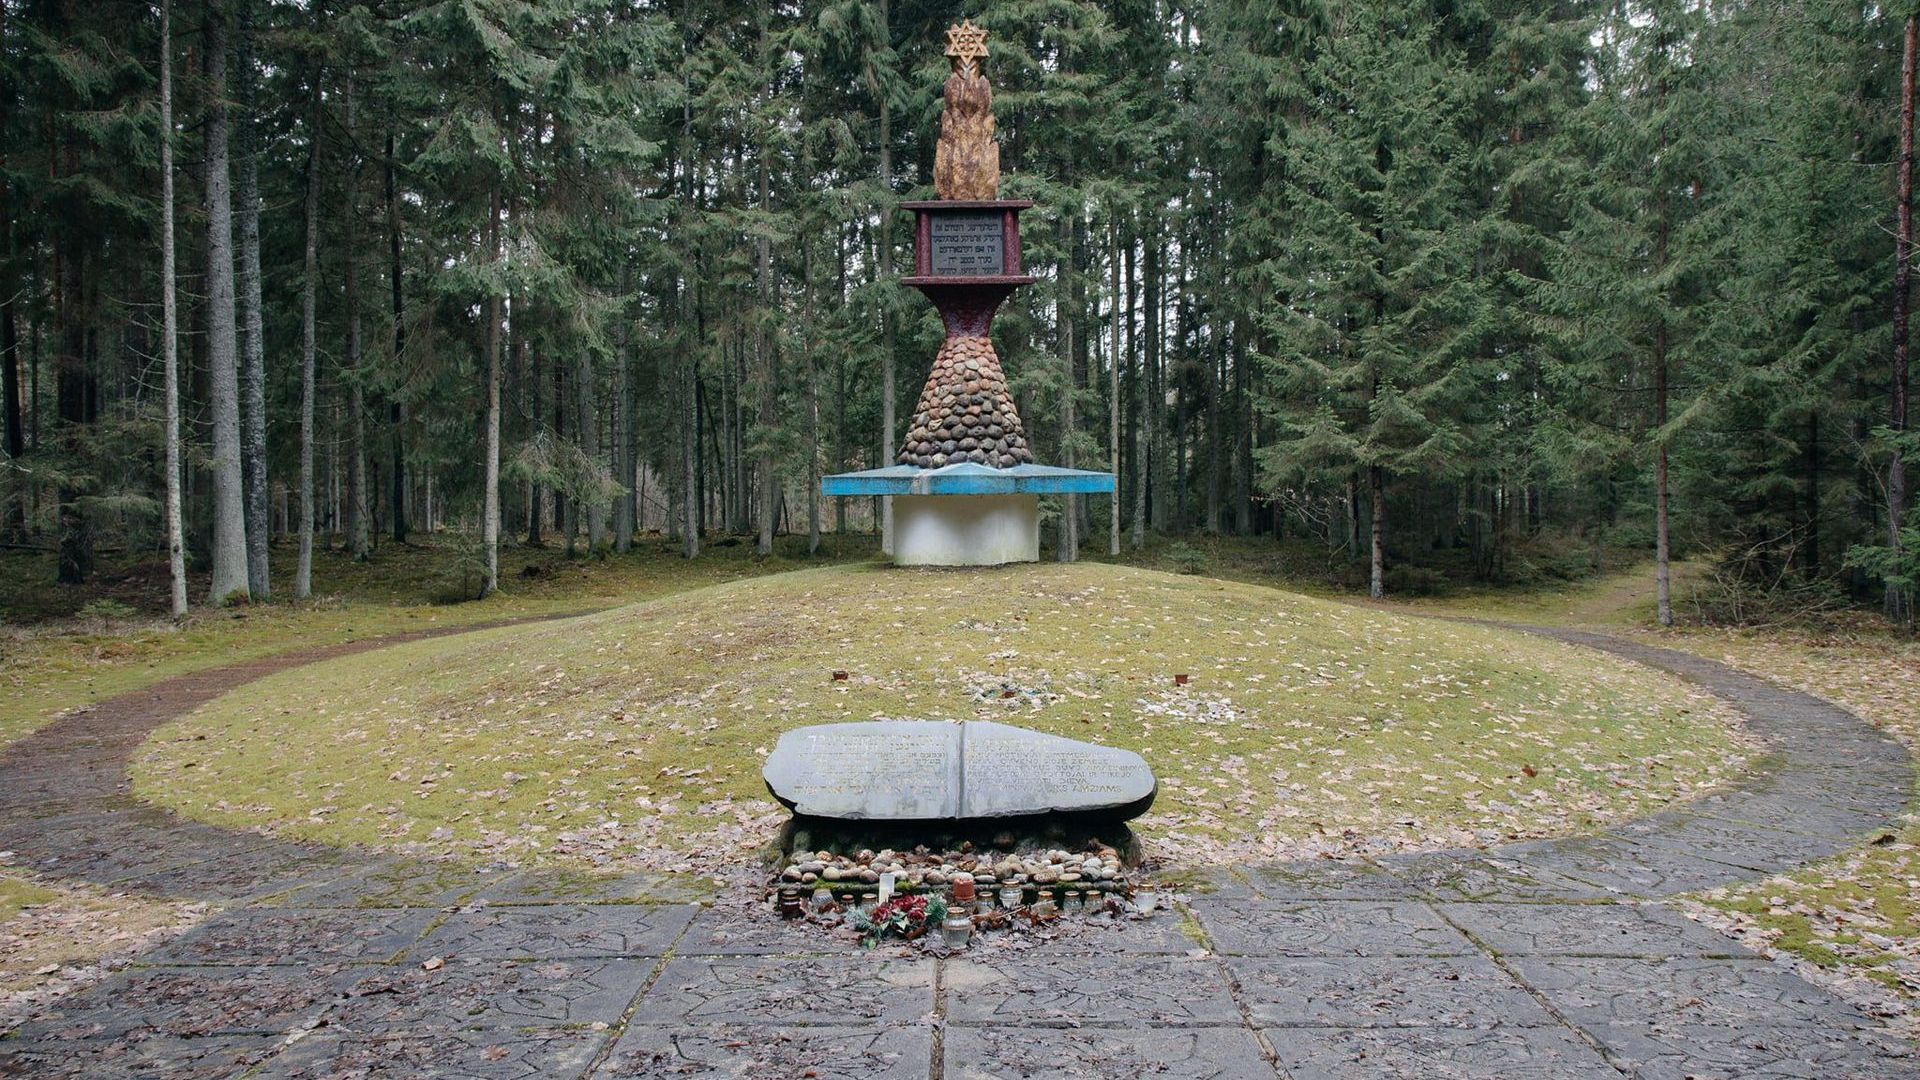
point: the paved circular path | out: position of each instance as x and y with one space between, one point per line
1537 960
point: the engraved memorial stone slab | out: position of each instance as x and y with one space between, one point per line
966 245
918 770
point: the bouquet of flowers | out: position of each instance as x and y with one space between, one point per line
904 917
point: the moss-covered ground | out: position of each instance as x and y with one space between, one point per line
634 737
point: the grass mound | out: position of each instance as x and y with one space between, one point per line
634 737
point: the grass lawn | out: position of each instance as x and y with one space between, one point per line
52 660
16 894
634 737
53 938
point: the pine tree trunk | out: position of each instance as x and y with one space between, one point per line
1376 532
1810 547
813 401
888 447
1216 357
1243 432
1142 464
1662 547
537 410
763 344
74 395
1113 397
359 538
253 373
688 372
490 493
690 495
1662 537
229 561
10 412
563 515
840 387
625 506
1898 600
587 437
309 291
1068 549
397 411
1152 475
169 326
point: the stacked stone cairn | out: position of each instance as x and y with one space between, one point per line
966 412
1097 870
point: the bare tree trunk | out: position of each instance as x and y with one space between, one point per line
169 323
1142 415
586 435
1113 396
1662 536
253 373
1243 437
690 494
625 506
359 537
1152 298
16 440
536 386
1068 549
813 402
1662 547
1376 525
397 411
888 447
490 513
769 389
229 494
1898 600
303 573
688 373
1215 358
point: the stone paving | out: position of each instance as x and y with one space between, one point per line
1537 960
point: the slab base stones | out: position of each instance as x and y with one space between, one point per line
966 412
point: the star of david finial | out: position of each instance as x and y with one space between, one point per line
967 44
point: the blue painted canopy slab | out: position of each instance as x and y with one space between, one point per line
969 479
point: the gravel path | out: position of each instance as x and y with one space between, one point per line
1534 960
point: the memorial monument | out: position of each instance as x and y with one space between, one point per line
926 770
965 492
965 487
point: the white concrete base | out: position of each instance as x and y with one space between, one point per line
965 530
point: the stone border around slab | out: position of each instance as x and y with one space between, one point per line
1540 958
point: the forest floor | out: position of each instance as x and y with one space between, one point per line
1858 915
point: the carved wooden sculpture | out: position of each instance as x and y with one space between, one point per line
966 162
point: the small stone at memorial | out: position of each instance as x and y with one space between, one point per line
919 770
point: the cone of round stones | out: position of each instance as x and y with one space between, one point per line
966 412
